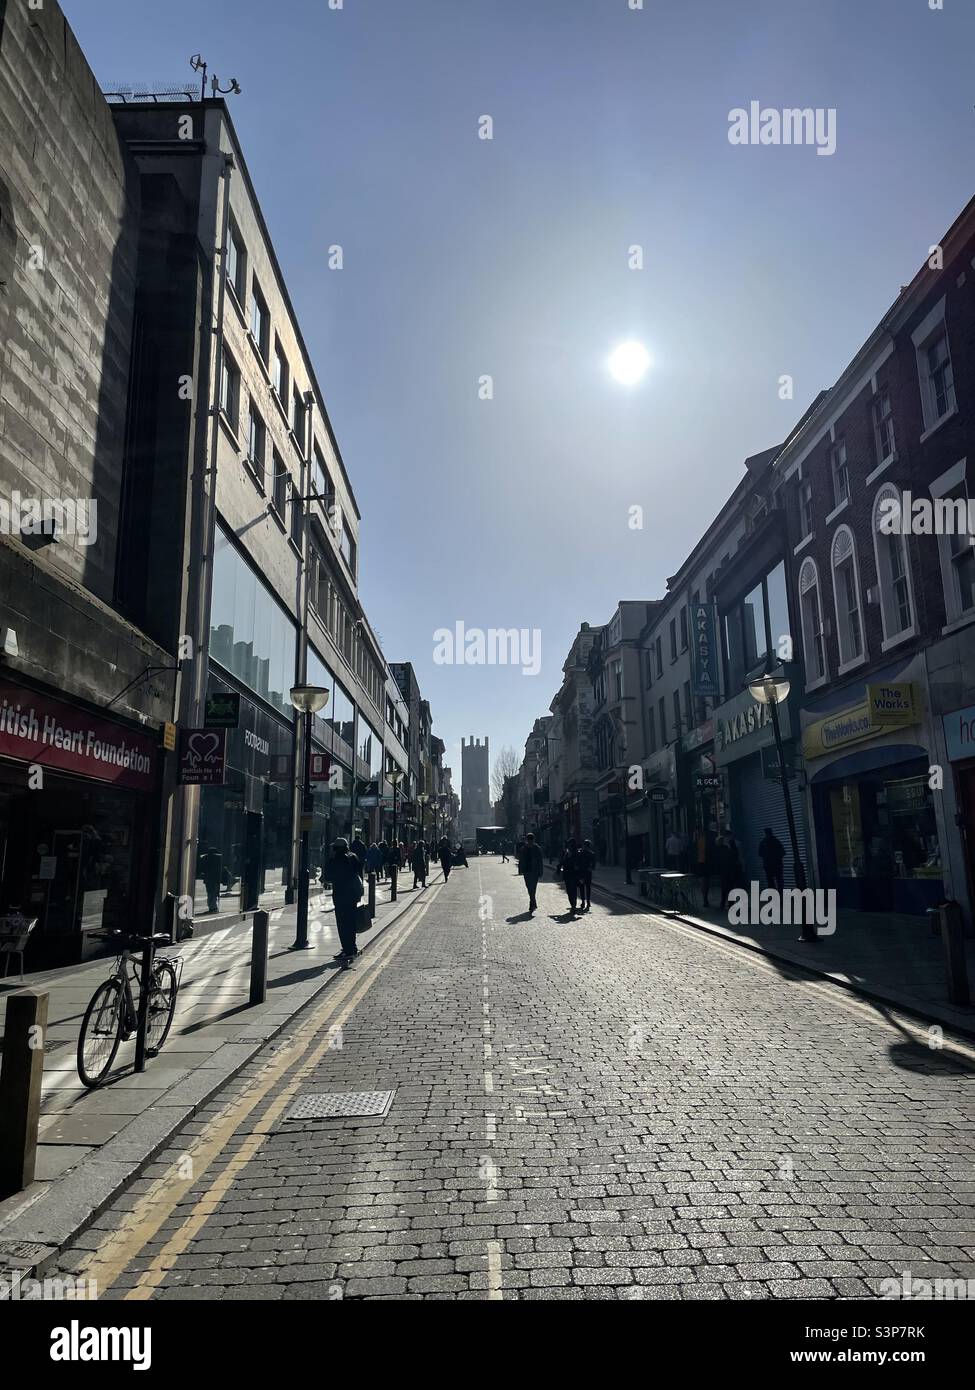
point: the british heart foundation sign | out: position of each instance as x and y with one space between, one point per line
202 757
41 729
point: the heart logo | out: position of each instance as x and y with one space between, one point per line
203 748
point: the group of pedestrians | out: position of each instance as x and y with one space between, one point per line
344 869
575 867
712 853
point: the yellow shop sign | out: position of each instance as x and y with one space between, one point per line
885 707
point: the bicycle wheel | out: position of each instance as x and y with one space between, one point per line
162 1005
101 1033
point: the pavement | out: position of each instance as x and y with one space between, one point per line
91 1142
888 956
598 1106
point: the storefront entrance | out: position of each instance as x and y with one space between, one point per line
77 812
876 831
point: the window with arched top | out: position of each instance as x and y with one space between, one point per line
893 573
811 617
846 599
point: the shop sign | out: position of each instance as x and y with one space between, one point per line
320 766
959 729
705 650
202 757
885 707
222 710
893 704
744 725
658 795
59 736
169 737
707 783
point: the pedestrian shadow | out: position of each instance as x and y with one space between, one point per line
569 916
912 1055
521 917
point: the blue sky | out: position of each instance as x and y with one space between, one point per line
508 257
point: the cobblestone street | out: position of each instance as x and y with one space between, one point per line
615 1106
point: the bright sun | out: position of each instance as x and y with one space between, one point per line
628 362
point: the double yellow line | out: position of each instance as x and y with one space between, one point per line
157 1205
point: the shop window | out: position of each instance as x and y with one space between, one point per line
752 630
811 610
230 390
846 599
890 552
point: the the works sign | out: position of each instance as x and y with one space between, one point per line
41 729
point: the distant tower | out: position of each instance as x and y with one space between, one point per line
475 786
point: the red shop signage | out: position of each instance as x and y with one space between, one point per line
39 729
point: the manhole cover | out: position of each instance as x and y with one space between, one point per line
325 1105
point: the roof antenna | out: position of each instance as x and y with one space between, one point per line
198 64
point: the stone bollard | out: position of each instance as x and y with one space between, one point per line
21 1073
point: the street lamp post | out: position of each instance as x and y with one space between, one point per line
423 798
395 776
307 700
771 689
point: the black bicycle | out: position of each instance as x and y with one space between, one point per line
112 1015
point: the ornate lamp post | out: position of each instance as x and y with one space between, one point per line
307 700
423 798
771 689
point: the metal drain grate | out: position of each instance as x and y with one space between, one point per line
328 1105
21 1249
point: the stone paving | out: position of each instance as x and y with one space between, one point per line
605 1107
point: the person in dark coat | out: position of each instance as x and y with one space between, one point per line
359 850
344 873
771 851
569 869
445 856
419 864
586 860
530 866
211 871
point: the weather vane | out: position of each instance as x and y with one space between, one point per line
198 64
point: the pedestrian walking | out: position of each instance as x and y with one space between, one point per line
211 871
374 858
343 872
771 851
359 850
674 848
569 869
419 864
445 856
586 860
531 866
